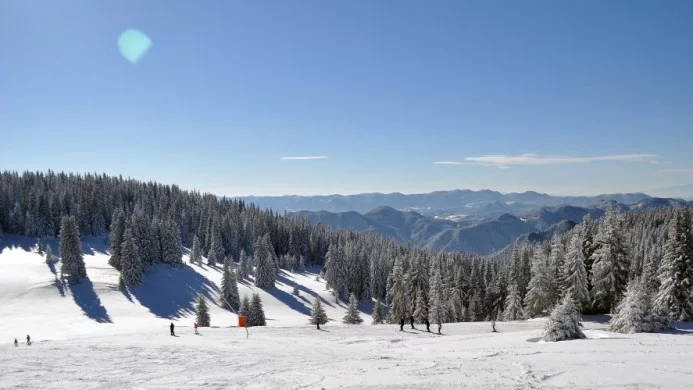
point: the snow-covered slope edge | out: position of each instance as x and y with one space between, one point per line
33 301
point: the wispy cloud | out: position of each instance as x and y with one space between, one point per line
505 161
304 158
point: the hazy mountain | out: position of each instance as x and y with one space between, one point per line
455 205
482 237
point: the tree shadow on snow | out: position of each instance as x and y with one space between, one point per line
289 300
681 328
59 285
281 278
172 292
85 297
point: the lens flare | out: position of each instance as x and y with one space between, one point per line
133 45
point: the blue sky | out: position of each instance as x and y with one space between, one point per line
565 97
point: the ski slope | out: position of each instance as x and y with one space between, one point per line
94 336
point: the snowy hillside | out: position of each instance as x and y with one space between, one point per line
33 301
93 335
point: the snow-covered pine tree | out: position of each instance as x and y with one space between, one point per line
216 249
40 246
538 298
131 264
564 322
318 316
353 316
396 293
50 257
378 312
610 265
675 296
196 251
202 312
72 262
437 312
556 264
421 310
229 289
245 306
265 274
170 243
244 267
634 314
575 282
256 317
476 307
513 305
115 237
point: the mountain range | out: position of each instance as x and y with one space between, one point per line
452 204
485 233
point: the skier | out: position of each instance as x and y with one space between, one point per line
172 333
16 344
28 340
411 321
428 325
401 324
439 326
196 332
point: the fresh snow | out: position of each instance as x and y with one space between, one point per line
96 336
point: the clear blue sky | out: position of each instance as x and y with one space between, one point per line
600 93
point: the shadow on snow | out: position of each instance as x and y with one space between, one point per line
85 297
172 292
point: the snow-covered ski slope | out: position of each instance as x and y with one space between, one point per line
94 336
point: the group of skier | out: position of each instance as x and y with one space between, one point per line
28 341
173 333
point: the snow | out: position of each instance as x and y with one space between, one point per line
97 337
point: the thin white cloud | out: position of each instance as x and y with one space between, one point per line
451 163
304 158
505 161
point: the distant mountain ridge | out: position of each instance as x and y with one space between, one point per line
482 236
482 202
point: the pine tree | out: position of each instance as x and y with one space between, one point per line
476 307
513 305
196 252
229 289
72 262
396 293
116 238
256 317
50 257
421 311
265 274
131 264
575 282
564 322
353 316
318 316
245 306
610 265
170 243
538 298
377 312
216 249
634 314
438 313
202 312
675 295
244 267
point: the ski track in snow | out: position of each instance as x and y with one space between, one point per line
110 340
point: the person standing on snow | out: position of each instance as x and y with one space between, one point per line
196 332
172 333
28 340
16 344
